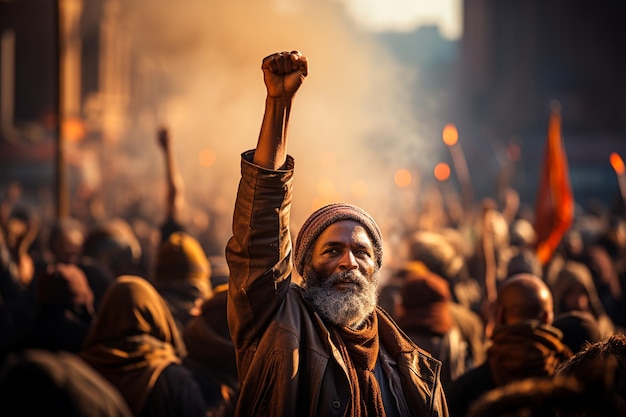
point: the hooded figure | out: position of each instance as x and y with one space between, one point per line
574 290
135 343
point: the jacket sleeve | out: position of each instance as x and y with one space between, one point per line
259 252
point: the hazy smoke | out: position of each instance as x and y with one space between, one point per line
199 72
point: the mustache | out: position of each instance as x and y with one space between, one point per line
351 276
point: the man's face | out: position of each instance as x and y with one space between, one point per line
342 275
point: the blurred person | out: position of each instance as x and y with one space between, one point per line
492 241
64 310
524 343
601 364
175 187
323 348
11 196
523 257
440 256
605 257
522 234
181 272
19 235
210 350
525 261
182 275
66 240
547 397
113 246
21 261
574 290
135 344
571 248
37 382
424 313
579 328
435 252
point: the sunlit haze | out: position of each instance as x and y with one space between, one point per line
407 15
196 69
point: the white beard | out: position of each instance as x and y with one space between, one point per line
343 308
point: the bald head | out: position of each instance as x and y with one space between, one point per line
524 297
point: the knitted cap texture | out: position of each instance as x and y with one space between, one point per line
324 217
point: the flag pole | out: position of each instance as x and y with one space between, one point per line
450 136
62 206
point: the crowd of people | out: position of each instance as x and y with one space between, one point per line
465 322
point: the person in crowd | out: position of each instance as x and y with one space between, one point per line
182 275
574 290
112 245
605 257
37 382
21 261
182 271
492 248
433 251
600 364
65 244
210 350
547 397
323 347
524 344
524 261
425 315
135 344
175 187
64 310
579 328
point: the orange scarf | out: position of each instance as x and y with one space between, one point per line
359 350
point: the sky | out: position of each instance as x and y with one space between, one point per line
406 15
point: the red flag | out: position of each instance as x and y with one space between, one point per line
554 208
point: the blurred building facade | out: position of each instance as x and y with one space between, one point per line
495 84
518 56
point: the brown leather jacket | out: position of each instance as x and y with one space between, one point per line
286 361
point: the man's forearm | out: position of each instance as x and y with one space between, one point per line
271 151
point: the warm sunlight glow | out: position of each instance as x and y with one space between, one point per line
325 187
358 189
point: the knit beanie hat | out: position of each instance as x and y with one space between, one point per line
324 217
182 261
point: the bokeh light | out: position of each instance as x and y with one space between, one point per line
617 163
442 171
450 134
73 129
207 158
402 178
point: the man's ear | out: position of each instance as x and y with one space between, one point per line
547 317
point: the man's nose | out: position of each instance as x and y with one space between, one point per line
348 261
